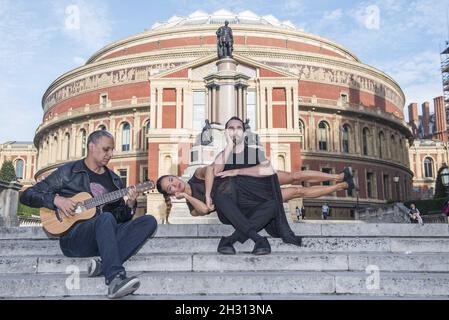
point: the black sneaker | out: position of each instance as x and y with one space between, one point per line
261 247
122 286
348 178
225 246
94 268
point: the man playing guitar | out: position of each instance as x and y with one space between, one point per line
110 234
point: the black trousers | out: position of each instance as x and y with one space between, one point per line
244 221
114 242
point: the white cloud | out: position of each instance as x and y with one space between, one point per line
293 7
79 61
86 22
333 15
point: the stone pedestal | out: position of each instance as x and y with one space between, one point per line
156 206
9 201
226 98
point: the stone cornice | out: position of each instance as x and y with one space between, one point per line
189 30
352 158
200 53
356 112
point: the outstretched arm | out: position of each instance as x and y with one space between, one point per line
261 170
200 208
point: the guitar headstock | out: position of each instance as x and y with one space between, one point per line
145 186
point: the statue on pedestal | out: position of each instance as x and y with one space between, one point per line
225 41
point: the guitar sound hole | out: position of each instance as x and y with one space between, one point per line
79 208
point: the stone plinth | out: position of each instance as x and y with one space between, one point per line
9 201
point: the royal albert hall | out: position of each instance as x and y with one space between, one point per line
314 104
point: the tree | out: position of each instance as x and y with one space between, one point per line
440 189
7 172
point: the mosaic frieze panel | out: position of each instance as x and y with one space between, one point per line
342 78
106 79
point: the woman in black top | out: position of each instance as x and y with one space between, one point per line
194 191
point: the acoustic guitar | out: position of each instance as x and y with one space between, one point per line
57 223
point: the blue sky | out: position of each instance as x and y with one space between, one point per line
36 46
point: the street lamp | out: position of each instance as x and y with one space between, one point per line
396 181
445 178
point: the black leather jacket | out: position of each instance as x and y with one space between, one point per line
67 181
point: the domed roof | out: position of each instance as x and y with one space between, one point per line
219 17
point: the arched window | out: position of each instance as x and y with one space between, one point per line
345 138
101 127
323 136
19 168
145 129
302 130
83 142
393 148
67 145
365 145
428 168
126 136
381 144
55 150
168 165
281 163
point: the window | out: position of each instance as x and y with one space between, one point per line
145 131
428 168
126 136
393 148
103 99
19 168
280 163
346 132
251 109
365 135
102 127
123 174
199 109
326 170
369 184
386 187
303 183
67 145
144 174
83 142
301 132
323 130
381 144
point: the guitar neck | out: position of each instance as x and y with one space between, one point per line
106 198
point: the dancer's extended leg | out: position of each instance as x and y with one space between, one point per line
311 192
307 175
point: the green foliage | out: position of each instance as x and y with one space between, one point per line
431 206
25 211
7 172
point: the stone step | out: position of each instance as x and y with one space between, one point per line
392 262
202 245
234 283
303 229
258 297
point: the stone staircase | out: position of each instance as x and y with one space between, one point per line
336 261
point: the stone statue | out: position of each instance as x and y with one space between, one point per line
225 41
206 134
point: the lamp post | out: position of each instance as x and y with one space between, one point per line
396 182
445 178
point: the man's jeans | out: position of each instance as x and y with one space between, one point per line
113 242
